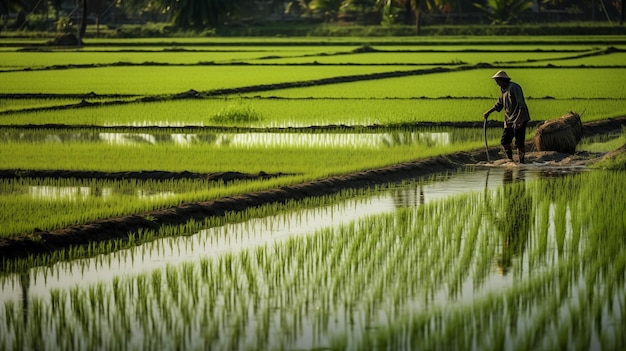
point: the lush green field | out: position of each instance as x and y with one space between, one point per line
559 83
156 80
147 69
518 271
134 83
268 112
300 156
526 264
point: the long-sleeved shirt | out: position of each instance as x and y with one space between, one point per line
512 101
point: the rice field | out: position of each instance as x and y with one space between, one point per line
410 276
304 112
266 87
32 203
501 259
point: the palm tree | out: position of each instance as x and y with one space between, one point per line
200 14
419 8
362 7
83 22
298 8
328 9
504 11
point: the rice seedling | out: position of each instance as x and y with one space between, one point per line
145 56
420 56
77 201
30 203
159 80
236 115
305 111
182 52
445 84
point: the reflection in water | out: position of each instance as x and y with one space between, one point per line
510 211
83 193
427 139
25 285
512 175
72 193
154 195
285 139
356 265
409 197
511 214
255 232
180 139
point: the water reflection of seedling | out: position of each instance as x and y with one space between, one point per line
399 272
425 139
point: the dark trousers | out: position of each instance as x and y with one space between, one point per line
519 134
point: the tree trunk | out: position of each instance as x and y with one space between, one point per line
407 13
83 22
418 23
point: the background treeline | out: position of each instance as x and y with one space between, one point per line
313 17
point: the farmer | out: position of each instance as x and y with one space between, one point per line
516 114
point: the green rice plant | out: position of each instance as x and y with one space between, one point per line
144 56
306 112
612 163
159 80
326 282
598 83
614 59
177 53
180 62
75 201
236 115
429 57
32 201
172 283
292 159
7 105
603 142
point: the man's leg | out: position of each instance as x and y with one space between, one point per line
505 140
521 151
508 150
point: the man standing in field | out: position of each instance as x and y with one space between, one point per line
516 114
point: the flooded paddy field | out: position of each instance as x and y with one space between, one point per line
271 196
485 255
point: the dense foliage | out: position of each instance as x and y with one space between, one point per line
203 15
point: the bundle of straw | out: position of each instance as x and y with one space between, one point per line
561 134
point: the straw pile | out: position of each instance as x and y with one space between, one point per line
561 134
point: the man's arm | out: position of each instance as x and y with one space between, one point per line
497 107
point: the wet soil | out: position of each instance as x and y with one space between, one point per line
119 227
